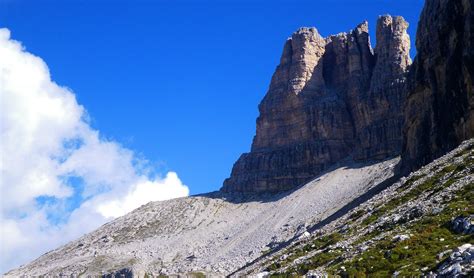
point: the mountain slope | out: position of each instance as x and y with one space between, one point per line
420 225
431 211
214 233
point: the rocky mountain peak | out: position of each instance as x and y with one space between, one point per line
329 98
392 50
307 48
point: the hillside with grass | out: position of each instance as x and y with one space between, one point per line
423 224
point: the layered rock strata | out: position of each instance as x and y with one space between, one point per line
440 104
328 99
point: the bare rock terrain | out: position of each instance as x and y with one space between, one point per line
214 233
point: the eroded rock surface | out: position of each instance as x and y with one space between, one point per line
440 104
328 99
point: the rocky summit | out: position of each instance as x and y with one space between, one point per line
329 98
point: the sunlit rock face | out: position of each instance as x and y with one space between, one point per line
329 98
440 104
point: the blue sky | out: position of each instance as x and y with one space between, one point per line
178 81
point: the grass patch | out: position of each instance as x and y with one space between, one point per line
432 184
197 275
431 236
356 215
314 262
317 244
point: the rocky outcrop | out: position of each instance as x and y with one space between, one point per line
329 98
460 263
440 104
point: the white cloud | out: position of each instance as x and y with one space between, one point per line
144 190
45 140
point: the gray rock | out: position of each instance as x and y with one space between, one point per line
399 238
328 99
439 111
463 225
459 263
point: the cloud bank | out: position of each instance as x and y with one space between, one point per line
59 178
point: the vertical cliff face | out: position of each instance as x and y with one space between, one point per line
440 103
329 98
378 110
